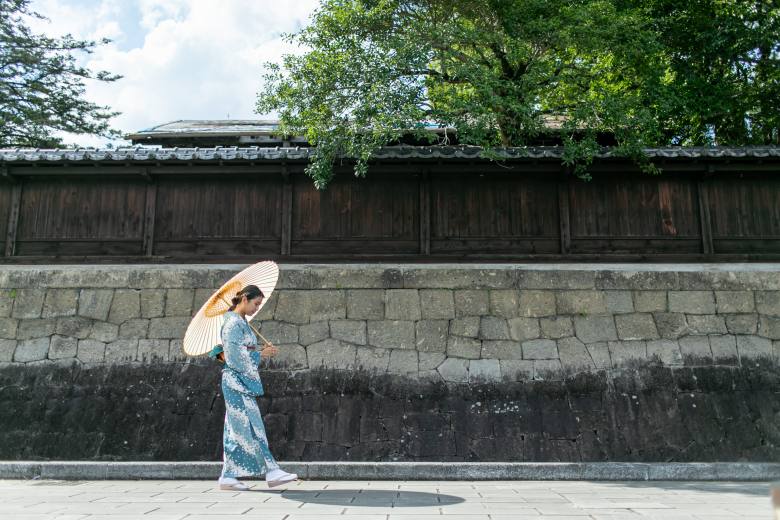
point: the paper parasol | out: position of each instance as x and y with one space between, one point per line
203 331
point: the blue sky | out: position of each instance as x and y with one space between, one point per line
181 59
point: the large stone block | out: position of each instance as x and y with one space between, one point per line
76 327
741 323
366 304
724 348
466 326
8 328
670 325
574 355
458 278
403 362
60 302
504 303
619 302
692 302
463 347
706 324
91 351
95 303
294 307
291 357
168 328
454 370
636 326
548 369
667 351
501 349
430 360
36 328
484 370
152 303
636 280
31 350
735 301
753 347
769 327
28 303
63 347
331 353
7 348
581 302
402 304
599 352
105 332
313 332
650 301
696 349
391 334
125 306
153 350
134 329
540 349
492 327
351 331
556 327
176 352
437 304
625 352
471 302
536 304
373 359
521 329
279 333
327 305
121 351
767 302
590 329
431 335
6 301
516 369
555 278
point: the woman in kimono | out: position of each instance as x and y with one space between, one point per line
246 450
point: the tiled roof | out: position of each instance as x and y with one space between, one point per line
255 153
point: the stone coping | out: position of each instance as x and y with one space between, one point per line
738 276
625 471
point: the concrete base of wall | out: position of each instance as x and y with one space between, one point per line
62 470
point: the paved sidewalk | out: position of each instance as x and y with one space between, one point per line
384 500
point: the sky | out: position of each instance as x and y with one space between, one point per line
180 59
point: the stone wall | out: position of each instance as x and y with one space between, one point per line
458 324
510 362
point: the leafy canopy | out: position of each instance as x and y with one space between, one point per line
498 71
41 84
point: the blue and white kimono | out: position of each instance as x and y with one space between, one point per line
246 450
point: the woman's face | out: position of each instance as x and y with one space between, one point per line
251 306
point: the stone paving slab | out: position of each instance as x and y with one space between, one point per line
385 500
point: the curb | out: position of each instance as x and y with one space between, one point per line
624 471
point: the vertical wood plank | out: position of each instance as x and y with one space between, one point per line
150 211
13 219
564 184
704 216
425 212
286 211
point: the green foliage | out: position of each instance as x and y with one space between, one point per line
651 72
41 85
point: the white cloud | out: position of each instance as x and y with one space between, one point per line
194 59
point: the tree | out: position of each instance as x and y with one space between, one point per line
497 70
41 84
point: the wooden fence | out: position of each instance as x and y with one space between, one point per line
402 211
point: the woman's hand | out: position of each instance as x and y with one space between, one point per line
269 350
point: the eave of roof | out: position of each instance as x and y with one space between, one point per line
256 153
